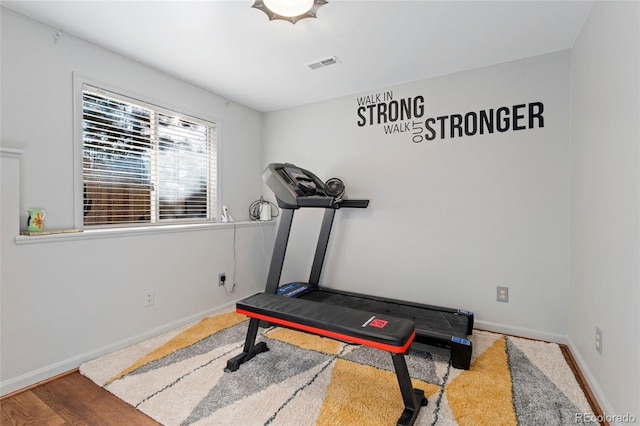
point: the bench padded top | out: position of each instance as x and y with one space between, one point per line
351 325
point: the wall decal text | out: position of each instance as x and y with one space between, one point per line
407 115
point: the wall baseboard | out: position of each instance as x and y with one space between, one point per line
33 377
520 331
591 381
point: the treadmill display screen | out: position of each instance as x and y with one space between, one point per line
306 184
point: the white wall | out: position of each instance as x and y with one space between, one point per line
61 304
604 288
556 221
449 220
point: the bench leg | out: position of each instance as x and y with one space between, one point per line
250 350
413 399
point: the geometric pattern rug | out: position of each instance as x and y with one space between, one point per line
178 378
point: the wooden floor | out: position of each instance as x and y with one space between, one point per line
70 399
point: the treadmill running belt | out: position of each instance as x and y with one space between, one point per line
435 321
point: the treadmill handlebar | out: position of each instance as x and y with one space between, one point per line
355 204
330 202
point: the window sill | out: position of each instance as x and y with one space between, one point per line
92 234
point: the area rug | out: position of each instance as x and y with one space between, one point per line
178 379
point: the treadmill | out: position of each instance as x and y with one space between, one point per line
296 188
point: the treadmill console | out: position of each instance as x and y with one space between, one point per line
302 183
295 187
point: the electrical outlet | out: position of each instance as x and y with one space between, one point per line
150 298
222 278
503 294
599 340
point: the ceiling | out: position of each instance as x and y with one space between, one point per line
232 49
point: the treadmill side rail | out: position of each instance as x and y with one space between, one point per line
469 315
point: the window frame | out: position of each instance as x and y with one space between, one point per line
214 201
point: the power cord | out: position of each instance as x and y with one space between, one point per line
233 287
256 207
224 278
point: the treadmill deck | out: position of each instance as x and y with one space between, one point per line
428 320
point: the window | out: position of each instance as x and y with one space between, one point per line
143 164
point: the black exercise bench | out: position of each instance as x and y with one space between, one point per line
386 333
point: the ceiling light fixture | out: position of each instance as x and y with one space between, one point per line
289 10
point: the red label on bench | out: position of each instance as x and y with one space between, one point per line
378 323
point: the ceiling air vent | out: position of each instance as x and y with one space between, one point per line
323 62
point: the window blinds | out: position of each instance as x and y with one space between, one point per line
143 164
